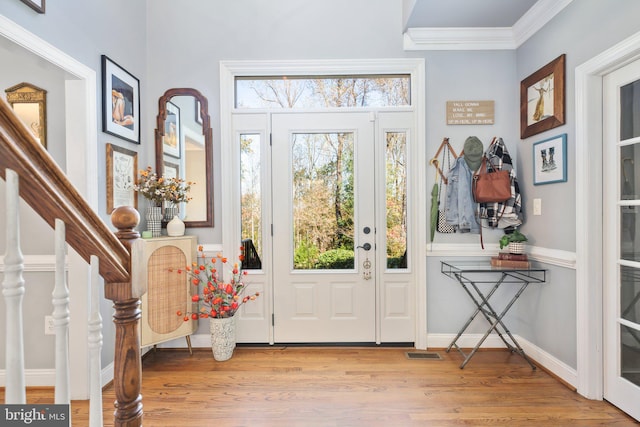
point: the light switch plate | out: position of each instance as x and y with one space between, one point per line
537 206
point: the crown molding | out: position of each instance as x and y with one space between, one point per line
537 17
480 38
458 39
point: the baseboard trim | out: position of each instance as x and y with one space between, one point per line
47 377
555 367
34 377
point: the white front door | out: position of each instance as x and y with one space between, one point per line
621 208
323 227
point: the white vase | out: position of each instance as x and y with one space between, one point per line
175 227
223 337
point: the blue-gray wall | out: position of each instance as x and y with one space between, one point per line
546 315
167 44
84 30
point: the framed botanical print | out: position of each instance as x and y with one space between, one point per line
120 102
171 138
122 167
542 99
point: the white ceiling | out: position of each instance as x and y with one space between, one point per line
467 13
474 24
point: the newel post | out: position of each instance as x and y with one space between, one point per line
127 363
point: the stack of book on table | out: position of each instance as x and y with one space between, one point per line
505 259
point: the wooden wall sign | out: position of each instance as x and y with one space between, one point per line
470 112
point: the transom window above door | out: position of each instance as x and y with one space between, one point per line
298 92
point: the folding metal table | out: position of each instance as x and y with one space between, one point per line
472 273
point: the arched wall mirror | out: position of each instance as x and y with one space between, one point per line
184 148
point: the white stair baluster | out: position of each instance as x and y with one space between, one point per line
95 346
60 302
13 291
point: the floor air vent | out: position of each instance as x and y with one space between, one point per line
423 356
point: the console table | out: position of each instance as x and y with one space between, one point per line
167 292
470 274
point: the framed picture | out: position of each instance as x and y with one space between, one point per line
120 102
37 5
542 99
29 102
171 170
550 160
171 137
122 167
198 116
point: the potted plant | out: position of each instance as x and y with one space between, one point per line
219 299
514 241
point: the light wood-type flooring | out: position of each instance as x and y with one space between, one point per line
349 387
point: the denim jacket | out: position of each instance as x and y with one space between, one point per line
460 210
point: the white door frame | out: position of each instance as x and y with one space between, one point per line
589 254
230 152
82 162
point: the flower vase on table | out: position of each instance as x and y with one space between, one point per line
154 220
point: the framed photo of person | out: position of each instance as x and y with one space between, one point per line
120 102
542 99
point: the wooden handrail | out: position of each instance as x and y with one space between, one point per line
45 187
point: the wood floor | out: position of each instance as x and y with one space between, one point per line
350 387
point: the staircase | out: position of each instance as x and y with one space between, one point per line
32 175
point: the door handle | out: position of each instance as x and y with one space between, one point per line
366 247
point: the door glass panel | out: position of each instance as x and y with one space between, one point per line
630 110
323 91
630 294
630 354
627 171
323 201
629 228
251 200
396 195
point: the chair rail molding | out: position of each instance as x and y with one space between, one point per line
37 263
548 256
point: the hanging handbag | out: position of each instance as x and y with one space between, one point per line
443 226
491 186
